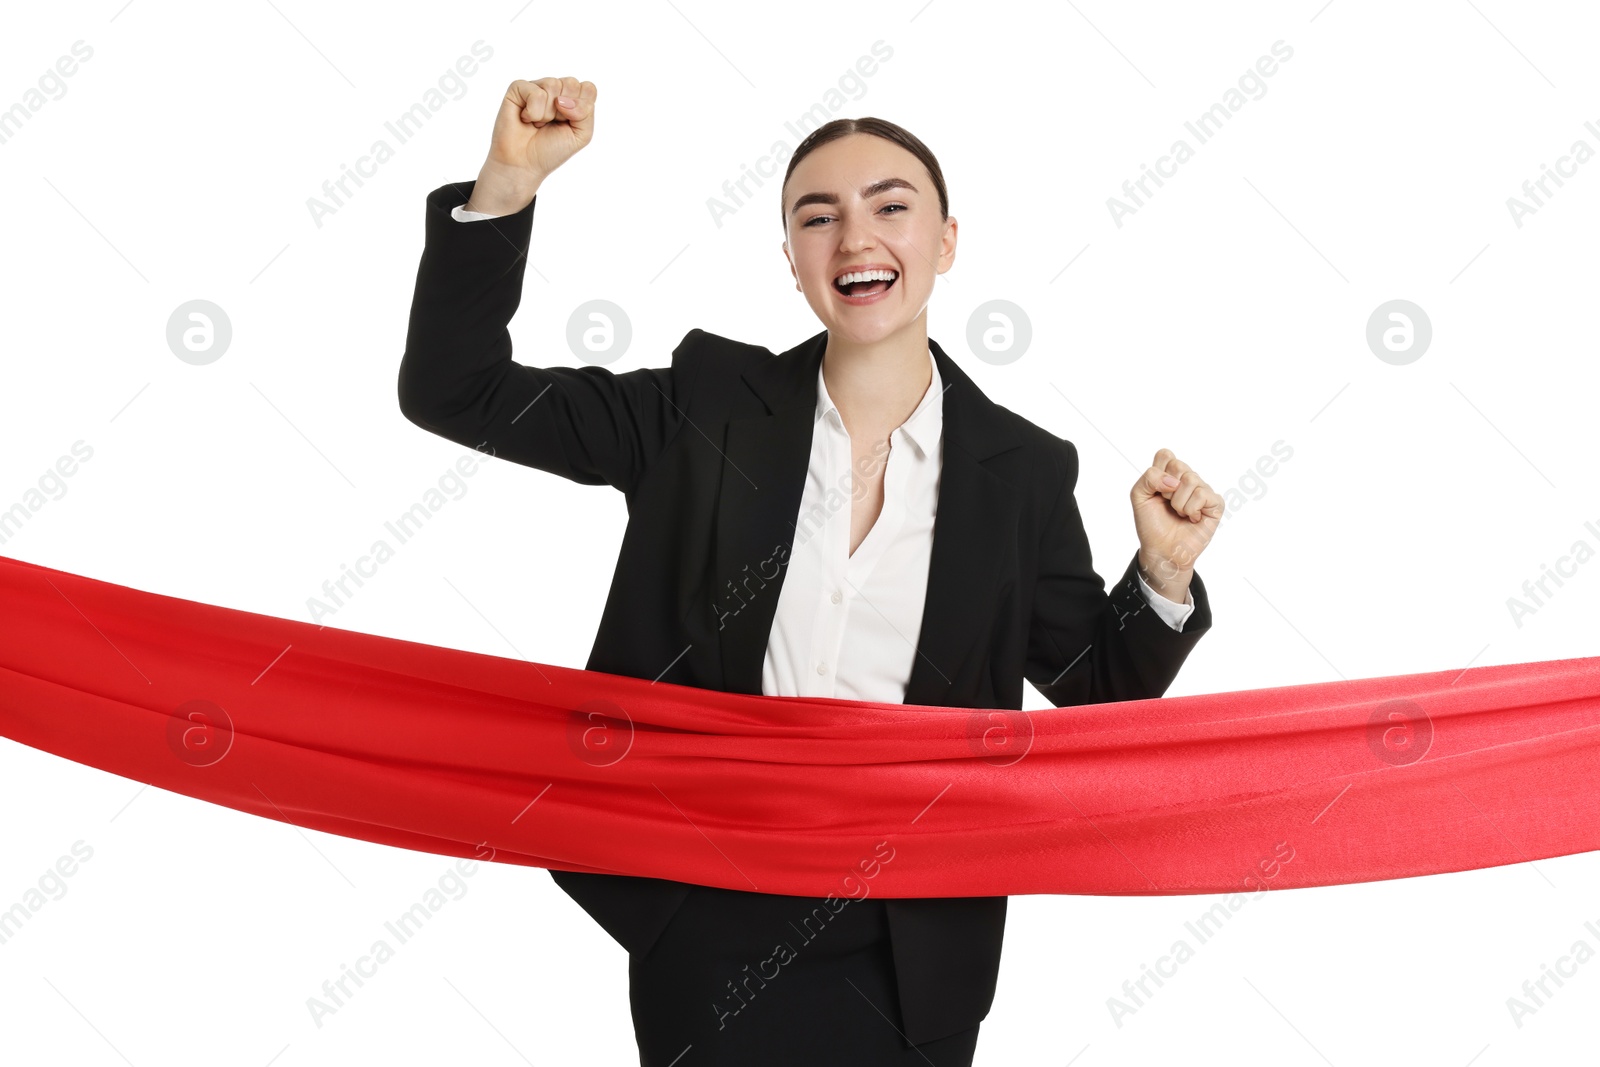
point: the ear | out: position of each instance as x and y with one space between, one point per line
792 272
947 245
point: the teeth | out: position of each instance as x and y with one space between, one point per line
866 276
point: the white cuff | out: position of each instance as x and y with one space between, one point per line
461 214
1169 611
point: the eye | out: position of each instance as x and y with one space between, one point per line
818 218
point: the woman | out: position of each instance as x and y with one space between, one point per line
850 518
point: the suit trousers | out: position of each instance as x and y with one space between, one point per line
759 978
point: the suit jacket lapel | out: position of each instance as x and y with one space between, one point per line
763 477
977 517
765 458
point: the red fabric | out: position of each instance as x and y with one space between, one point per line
459 753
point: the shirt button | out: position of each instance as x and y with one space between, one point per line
822 668
836 596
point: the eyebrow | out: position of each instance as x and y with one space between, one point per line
883 185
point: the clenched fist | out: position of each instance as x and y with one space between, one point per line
1174 522
541 125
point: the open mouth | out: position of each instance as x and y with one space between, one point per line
865 285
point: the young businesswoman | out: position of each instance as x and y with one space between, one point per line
850 518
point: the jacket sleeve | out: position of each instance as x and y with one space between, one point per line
457 378
1088 646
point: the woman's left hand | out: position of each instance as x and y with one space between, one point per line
1175 513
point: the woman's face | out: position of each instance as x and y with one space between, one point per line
862 201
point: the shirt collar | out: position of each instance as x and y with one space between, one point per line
922 427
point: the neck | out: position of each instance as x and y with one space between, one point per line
877 386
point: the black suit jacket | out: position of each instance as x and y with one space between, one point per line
711 453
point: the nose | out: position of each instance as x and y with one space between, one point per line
855 233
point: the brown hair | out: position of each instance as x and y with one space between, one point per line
889 131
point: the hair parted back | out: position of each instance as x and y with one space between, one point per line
889 131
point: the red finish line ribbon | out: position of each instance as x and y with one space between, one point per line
470 755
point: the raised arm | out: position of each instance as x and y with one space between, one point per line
1090 646
457 378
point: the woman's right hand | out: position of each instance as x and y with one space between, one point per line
534 133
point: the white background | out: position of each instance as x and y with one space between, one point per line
1227 314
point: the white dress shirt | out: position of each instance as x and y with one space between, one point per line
846 625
